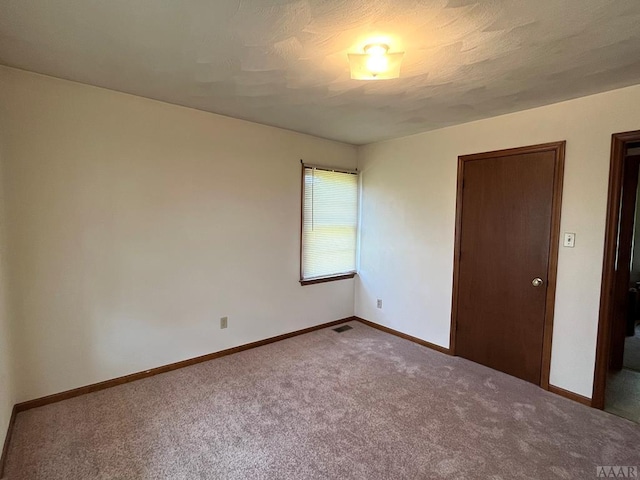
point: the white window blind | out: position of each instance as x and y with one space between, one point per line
330 223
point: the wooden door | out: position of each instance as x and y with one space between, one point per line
507 239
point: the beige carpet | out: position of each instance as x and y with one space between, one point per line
355 405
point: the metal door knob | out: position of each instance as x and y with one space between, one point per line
536 282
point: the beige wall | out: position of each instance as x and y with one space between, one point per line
408 210
7 391
134 225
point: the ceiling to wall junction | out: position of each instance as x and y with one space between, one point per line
284 62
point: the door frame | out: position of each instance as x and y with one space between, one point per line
559 149
619 143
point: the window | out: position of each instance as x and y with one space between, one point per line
329 224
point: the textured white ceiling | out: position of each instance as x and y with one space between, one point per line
284 62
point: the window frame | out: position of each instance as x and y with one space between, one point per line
326 278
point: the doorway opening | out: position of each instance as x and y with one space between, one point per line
617 374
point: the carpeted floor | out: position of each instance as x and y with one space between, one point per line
355 405
623 387
632 352
623 394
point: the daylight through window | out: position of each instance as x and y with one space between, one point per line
329 223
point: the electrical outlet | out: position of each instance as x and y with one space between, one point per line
379 303
223 322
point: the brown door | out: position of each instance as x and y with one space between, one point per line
506 220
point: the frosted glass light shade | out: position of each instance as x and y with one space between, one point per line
375 67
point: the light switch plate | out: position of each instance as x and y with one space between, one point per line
569 240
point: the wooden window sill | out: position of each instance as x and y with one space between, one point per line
332 278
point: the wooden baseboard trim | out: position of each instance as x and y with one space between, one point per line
5 448
411 338
570 395
58 397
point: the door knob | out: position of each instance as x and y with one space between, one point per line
536 282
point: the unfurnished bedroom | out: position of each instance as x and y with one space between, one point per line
308 239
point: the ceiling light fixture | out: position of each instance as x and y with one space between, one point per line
376 63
